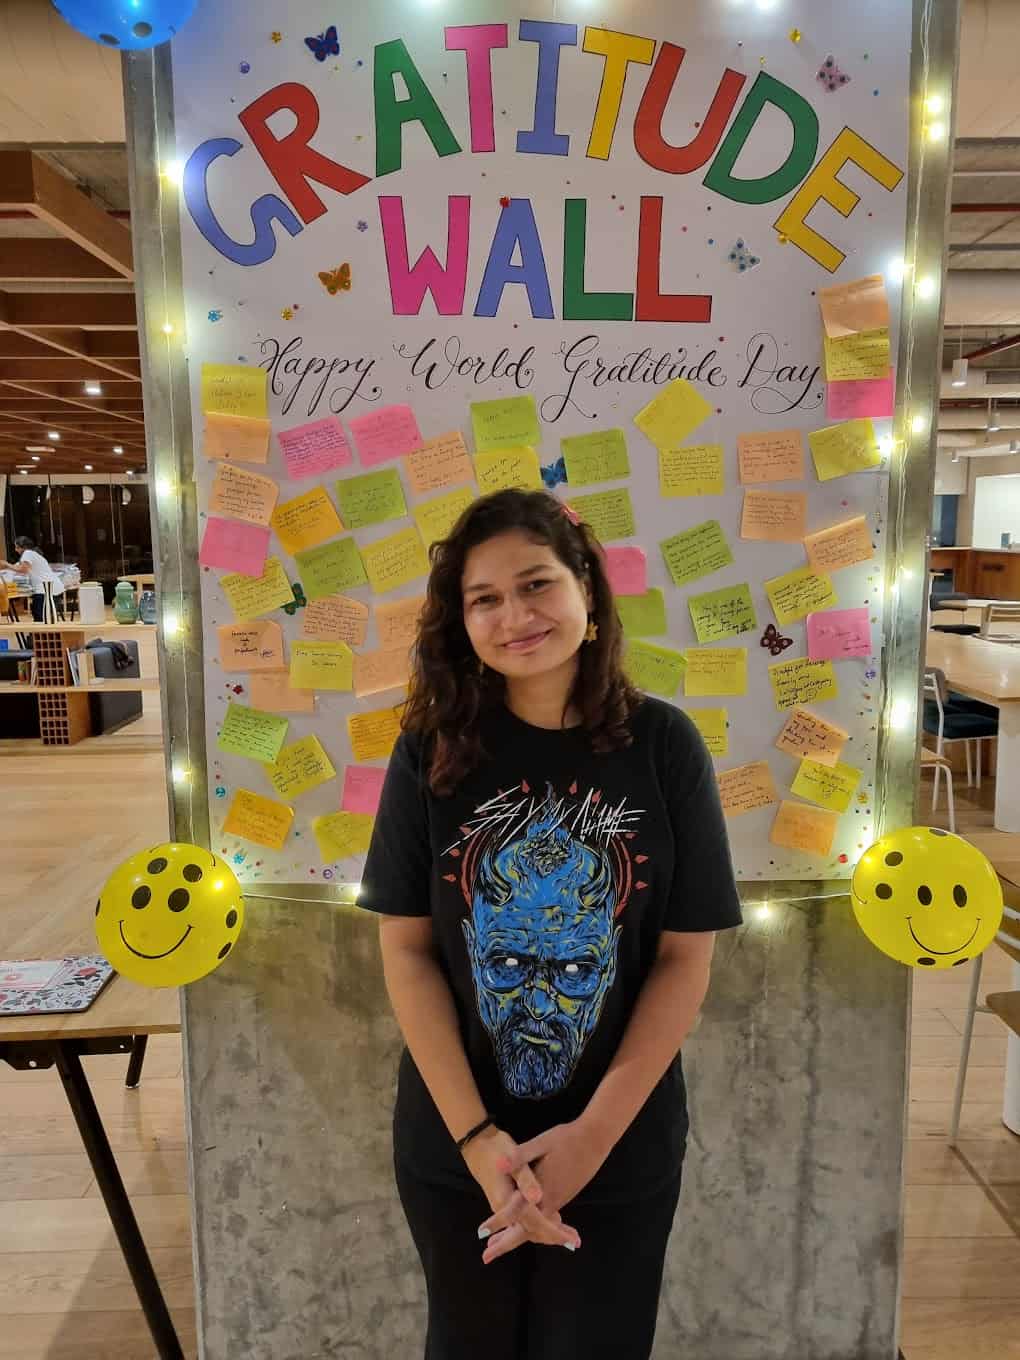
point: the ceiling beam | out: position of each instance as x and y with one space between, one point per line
24 260
126 417
64 370
29 183
58 311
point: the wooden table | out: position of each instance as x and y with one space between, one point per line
143 581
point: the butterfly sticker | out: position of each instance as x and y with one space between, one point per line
336 280
831 76
774 641
325 45
298 601
555 473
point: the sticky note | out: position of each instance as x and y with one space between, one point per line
336 618
306 521
435 518
321 665
775 456
274 693
341 835
498 469
252 733
857 357
643 615
238 439
851 400
843 545
373 735
747 787
380 670
609 514
715 671
774 516
830 786
696 552
396 621
627 569
713 724
234 545
506 423
841 449
439 463
657 669
722 613
331 568
363 786
256 646
802 682
313 449
250 596
393 561
234 390
805 734
839 633
696 470
858 305
301 766
387 433
670 416
241 494
798 593
801 827
597 457
260 820
372 498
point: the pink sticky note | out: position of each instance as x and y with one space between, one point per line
628 570
856 400
839 633
362 789
315 448
385 434
235 546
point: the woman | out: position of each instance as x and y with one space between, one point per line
550 864
40 574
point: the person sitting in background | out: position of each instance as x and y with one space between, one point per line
40 575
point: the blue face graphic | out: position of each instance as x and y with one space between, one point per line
542 943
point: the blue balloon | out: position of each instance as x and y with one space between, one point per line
126 25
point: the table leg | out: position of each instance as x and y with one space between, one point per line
1007 769
93 1135
1011 1095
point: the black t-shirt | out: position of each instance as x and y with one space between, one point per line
550 875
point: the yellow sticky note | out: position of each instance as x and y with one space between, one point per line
502 468
251 733
439 462
830 786
656 669
372 498
609 514
436 518
805 734
250 596
237 439
696 552
669 418
801 827
799 593
234 390
306 521
505 423
857 357
256 646
713 671
597 457
713 724
844 545
774 456
774 516
696 470
397 622
842 449
241 494
257 819
855 306
747 787
341 835
301 766
393 561
273 692
643 615
331 568
375 672
336 618
374 734
719 614
321 665
802 682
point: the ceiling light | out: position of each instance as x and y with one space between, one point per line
93 389
1014 446
955 458
35 458
118 448
992 425
53 434
960 372
37 448
88 467
131 472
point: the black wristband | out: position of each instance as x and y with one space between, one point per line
486 1123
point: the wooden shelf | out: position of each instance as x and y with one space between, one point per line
89 629
146 683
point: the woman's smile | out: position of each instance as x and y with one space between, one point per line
529 643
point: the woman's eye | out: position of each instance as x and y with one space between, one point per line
536 585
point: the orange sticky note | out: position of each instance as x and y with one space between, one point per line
241 439
774 456
255 646
397 622
859 305
243 495
841 546
380 670
258 819
774 516
439 463
805 734
374 734
746 788
273 693
306 521
800 827
336 618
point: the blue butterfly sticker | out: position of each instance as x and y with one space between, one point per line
555 473
325 45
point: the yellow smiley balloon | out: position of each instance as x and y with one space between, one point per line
927 898
170 915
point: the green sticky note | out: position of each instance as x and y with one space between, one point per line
598 457
642 615
696 552
252 733
331 568
723 613
505 423
371 499
393 561
436 518
609 514
657 669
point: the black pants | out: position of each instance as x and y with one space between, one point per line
539 1303
39 604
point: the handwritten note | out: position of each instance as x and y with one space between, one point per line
643 615
696 552
857 357
260 820
656 669
306 521
301 766
801 827
241 494
499 469
313 449
722 613
439 463
396 621
251 646
321 665
387 433
252 733
363 786
393 561
331 568
435 518
841 449
506 423
805 734
234 390
250 596
843 545
373 735
341 835
274 693
802 682
774 516
715 671
839 633
859 305
378 671
776 456
627 569
670 416
796 594
747 787
234 545
336 618
852 400
238 439
696 470
830 786
373 498
713 724
597 457
609 514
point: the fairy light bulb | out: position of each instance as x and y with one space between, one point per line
926 287
171 625
918 424
934 104
180 774
168 328
899 715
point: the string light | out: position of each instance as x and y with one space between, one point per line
900 715
174 173
919 424
171 625
936 132
164 486
763 912
897 268
180 774
926 287
168 328
886 445
934 103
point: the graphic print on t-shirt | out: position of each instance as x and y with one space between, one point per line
545 881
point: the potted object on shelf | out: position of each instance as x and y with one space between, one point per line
125 606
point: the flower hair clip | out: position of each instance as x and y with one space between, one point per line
571 514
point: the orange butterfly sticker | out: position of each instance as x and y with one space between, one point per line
336 280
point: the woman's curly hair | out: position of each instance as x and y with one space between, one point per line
449 691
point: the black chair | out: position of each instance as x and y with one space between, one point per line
948 718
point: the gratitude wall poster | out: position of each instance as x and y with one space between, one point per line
639 254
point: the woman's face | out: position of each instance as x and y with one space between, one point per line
524 610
